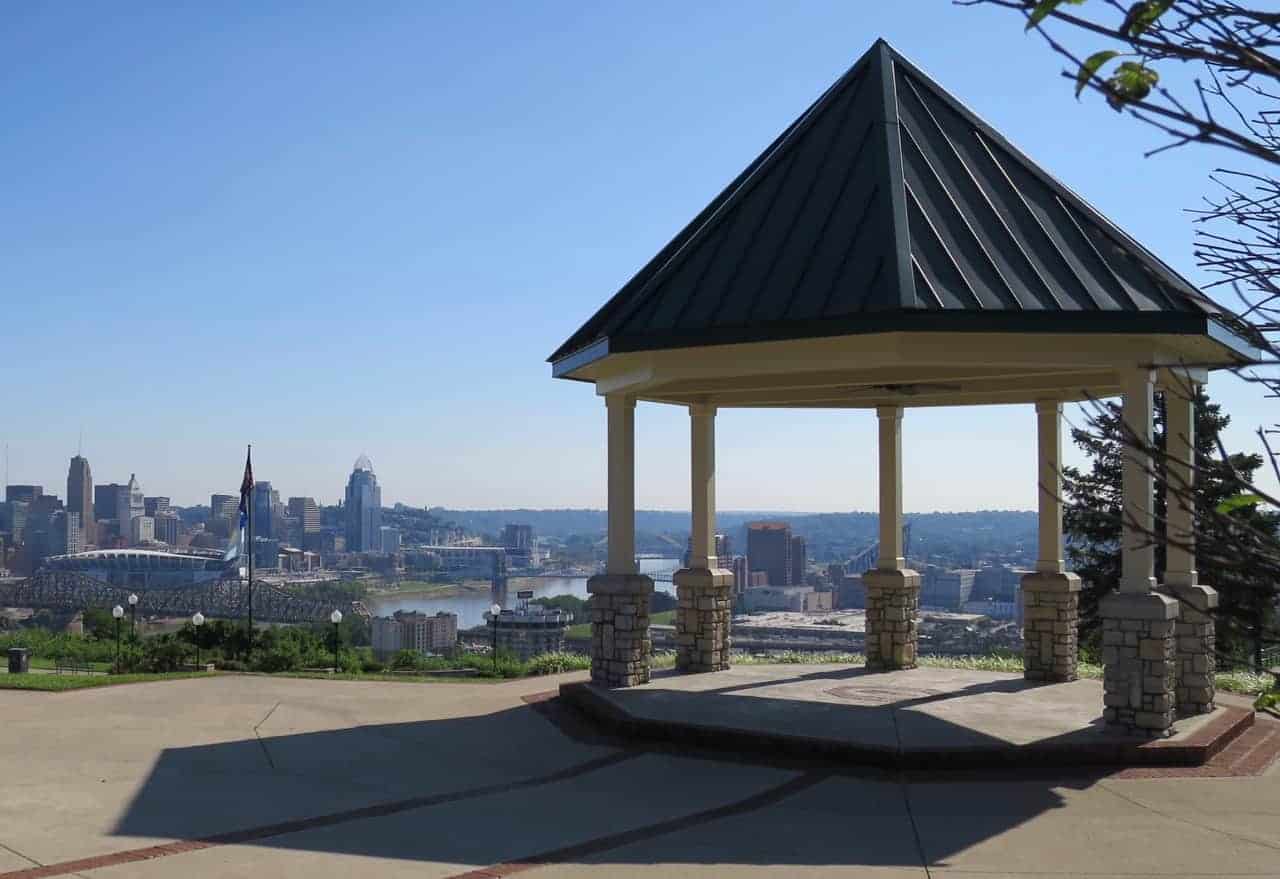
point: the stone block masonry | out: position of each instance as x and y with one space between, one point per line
620 644
702 619
1139 652
893 601
1197 664
1051 617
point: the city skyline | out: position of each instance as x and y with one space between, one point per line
398 247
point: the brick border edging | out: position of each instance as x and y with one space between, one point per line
267 831
1196 750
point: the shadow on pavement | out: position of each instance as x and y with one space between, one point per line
509 787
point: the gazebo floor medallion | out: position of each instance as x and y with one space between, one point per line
1194 631
1139 652
1050 614
620 645
702 618
893 600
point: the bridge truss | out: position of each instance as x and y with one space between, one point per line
219 599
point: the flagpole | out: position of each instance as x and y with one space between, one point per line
249 508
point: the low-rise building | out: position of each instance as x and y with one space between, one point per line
416 631
942 589
792 598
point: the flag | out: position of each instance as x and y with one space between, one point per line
236 547
246 489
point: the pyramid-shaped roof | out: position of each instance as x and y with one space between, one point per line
889 206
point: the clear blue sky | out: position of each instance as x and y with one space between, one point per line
335 228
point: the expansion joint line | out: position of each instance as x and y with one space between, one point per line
258 735
269 831
601 844
904 786
16 853
1238 837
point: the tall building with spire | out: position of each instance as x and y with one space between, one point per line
130 506
80 495
364 508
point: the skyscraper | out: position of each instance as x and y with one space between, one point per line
155 506
265 500
129 506
799 560
364 508
80 494
307 512
769 550
106 500
28 494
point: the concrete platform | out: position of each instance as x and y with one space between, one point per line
923 718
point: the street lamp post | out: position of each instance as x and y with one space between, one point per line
335 618
494 612
197 620
133 615
117 612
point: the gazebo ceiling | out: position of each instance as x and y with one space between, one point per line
891 247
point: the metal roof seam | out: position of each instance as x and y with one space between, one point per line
945 250
755 234
1119 284
848 252
986 198
785 146
960 214
827 150
1080 282
820 238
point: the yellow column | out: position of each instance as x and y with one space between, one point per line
1180 428
1137 549
1049 434
702 418
622 484
891 558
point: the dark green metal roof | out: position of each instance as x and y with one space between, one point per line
889 206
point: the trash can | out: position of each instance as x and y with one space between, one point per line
19 660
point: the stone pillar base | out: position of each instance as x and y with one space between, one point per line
702 619
1139 652
893 598
620 645
1197 663
1050 618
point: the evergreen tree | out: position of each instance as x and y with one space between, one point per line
1230 556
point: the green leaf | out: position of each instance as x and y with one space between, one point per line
1143 15
1044 8
1090 67
1131 82
1231 504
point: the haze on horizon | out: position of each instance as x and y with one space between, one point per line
334 231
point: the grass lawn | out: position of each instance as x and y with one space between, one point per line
62 683
582 631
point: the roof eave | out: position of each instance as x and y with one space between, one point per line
907 320
1245 350
573 361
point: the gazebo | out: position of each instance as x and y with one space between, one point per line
891 250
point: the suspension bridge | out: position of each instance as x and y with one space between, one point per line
218 599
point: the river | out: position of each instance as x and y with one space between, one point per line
471 608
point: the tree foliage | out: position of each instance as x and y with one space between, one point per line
1228 516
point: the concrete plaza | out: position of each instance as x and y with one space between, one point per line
248 776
